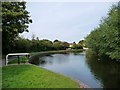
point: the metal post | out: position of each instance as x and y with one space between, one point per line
24 60
28 58
18 60
6 60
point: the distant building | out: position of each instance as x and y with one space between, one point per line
85 48
71 45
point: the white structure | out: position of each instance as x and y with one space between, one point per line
16 54
85 48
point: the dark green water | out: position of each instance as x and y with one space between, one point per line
84 67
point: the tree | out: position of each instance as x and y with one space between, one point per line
57 45
77 46
82 43
15 20
65 45
21 45
37 38
33 37
105 40
55 41
46 45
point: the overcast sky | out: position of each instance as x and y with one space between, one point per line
65 21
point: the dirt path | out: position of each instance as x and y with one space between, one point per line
82 85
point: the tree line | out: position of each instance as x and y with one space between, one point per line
36 45
15 20
105 39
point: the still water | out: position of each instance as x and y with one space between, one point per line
83 67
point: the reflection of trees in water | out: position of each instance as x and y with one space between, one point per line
60 58
77 52
44 61
106 71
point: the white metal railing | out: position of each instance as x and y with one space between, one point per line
15 54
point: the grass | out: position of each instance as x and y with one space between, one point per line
31 76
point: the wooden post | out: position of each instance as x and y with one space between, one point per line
18 60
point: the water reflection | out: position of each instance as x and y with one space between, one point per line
106 71
55 59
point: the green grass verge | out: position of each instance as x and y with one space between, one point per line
31 76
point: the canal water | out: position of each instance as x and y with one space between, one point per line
84 67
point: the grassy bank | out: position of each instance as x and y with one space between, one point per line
31 76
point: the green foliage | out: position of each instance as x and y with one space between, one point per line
31 76
65 45
21 45
105 40
58 45
36 45
82 43
15 20
77 46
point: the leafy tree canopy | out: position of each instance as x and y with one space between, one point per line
15 20
105 40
